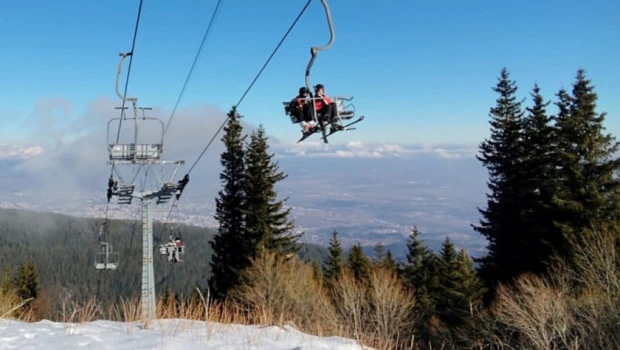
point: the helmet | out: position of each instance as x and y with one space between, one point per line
318 86
303 90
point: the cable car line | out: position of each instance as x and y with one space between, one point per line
240 100
251 84
133 45
204 38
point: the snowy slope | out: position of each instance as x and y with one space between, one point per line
162 334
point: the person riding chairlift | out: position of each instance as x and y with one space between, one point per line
300 108
325 107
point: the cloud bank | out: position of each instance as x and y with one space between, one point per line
360 149
18 152
65 152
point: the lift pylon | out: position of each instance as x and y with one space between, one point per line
144 158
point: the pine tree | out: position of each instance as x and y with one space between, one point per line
26 281
266 219
421 273
333 263
229 251
359 263
389 263
589 190
503 155
379 253
539 183
452 303
415 272
472 285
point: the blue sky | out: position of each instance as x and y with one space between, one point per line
421 71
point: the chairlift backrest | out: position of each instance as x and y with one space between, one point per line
106 259
133 151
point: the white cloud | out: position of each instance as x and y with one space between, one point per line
72 153
19 152
360 149
355 144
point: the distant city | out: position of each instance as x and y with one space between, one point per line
366 200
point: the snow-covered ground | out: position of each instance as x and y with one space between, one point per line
162 334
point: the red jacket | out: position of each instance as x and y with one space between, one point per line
318 104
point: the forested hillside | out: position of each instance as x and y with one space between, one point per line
63 250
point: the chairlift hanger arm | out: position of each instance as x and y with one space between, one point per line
315 49
118 76
134 100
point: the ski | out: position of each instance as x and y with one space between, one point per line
346 127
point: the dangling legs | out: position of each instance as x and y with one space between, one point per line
331 115
307 121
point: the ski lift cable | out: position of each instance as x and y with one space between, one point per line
251 84
133 45
163 229
120 122
204 38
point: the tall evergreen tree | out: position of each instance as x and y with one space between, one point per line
379 250
589 189
389 263
503 155
539 183
27 280
472 285
229 251
451 300
266 220
383 259
421 273
333 263
415 271
359 263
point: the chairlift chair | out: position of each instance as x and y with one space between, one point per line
345 111
173 250
106 259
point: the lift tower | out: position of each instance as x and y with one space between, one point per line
143 155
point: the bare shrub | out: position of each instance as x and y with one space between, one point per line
377 312
230 312
594 263
28 310
275 289
75 313
349 297
576 306
391 305
592 279
9 303
539 311
128 311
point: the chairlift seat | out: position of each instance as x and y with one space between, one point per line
173 250
106 259
134 152
344 111
106 266
287 110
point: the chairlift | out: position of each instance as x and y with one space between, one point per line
133 152
106 259
173 249
343 112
